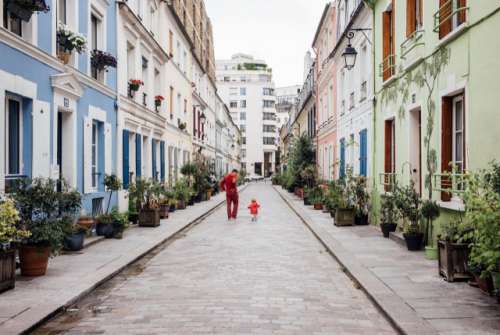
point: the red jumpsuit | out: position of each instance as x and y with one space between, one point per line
254 208
230 185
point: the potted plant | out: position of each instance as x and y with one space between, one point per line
309 178
409 203
120 222
101 60
454 250
133 214
315 196
134 85
182 193
112 184
361 201
74 236
24 9
181 125
390 214
104 225
10 234
44 213
430 212
164 202
344 201
482 211
173 204
67 41
85 220
158 101
147 201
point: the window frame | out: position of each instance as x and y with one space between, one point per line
9 98
458 146
94 162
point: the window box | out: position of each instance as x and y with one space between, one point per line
24 9
135 84
158 101
67 41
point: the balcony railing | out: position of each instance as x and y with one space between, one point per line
413 41
450 11
451 183
388 180
387 67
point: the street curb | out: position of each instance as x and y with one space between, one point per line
107 278
387 302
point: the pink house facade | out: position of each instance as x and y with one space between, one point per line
326 82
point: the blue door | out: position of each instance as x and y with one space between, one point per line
342 158
162 161
363 153
126 164
138 155
153 153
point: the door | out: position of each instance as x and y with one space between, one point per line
258 169
416 149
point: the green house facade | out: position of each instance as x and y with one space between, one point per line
436 82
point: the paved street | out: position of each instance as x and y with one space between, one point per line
271 277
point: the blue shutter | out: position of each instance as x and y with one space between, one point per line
138 155
153 153
363 153
126 163
342 158
162 161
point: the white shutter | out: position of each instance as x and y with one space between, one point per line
87 155
41 139
108 144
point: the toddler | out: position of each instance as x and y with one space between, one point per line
254 209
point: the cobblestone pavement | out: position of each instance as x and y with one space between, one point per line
269 277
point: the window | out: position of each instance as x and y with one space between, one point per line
413 16
243 128
269 128
363 91
243 91
227 79
243 140
269 116
453 139
342 108
269 140
243 153
95 154
185 106
268 103
267 91
389 153
243 104
61 11
233 91
243 116
94 28
13 131
363 152
171 103
388 44
351 101
12 23
233 104
171 43
452 14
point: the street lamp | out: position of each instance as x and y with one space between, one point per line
350 52
203 118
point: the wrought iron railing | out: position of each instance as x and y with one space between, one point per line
388 180
387 67
447 12
452 183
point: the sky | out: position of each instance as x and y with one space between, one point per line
277 31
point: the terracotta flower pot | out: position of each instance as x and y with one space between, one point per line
34 260
318 207
86 221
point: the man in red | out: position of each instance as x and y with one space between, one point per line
230 184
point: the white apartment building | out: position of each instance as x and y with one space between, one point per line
354 91
286 103
245 84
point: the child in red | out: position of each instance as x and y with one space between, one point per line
254 209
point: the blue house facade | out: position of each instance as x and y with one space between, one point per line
58 107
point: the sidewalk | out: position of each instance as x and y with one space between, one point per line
72 276
404 285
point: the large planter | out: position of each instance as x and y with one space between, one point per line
172 208
7 270
149 218
414 241
361 220
299 191
495 276
484 284
307 202
181 204
164 210
74 242
318 206
34 260
104 229
453 259
133 217
388 228
344 217
86 221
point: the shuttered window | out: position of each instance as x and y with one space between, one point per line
363 152
452 13
126 163
342 158
388 43
414 16
389 153
13 137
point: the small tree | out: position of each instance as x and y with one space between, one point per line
112 184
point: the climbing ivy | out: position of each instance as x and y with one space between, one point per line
425 76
